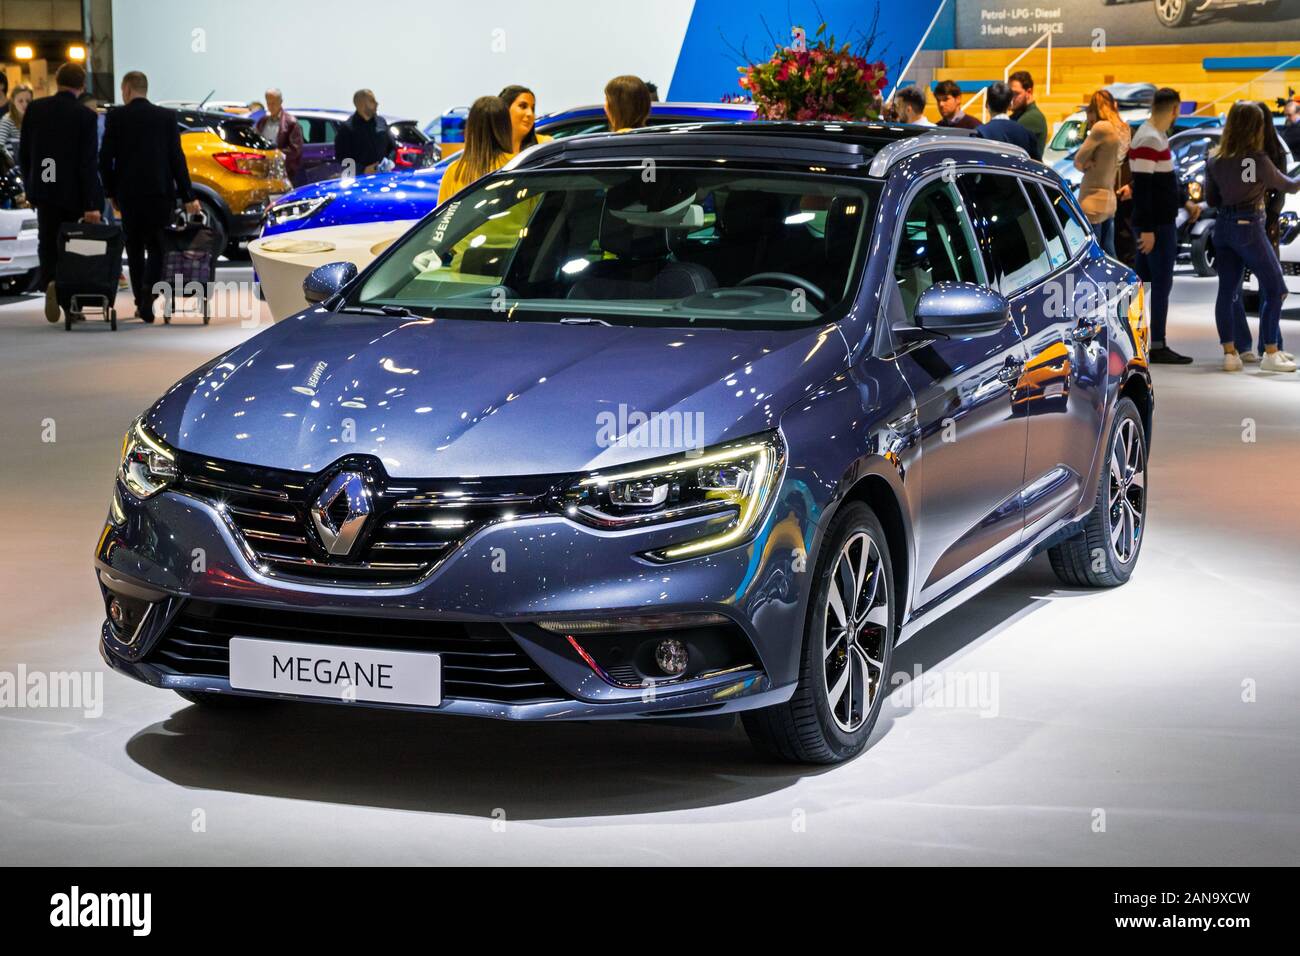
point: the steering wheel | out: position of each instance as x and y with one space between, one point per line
789 278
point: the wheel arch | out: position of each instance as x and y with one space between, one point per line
1137 388
877 492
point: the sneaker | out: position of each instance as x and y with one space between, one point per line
52 313
1276 362
1164 355
1249 357
1232 362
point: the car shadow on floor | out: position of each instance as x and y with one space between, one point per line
532 771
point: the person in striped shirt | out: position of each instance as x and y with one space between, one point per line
1157 197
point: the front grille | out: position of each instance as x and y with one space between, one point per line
479 661
412 526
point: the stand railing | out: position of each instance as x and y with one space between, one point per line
982 97
1045 35
1249 83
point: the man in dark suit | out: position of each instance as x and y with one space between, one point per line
144 172
363 141
56 155
1001 126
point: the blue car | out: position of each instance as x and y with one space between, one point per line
604 439
407 194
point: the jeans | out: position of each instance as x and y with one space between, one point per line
1105 231
1240 243
1157 267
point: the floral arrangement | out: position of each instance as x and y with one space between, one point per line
818 82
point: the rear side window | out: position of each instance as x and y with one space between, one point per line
1076 231
241 133
1008 232
1057 251
407 133
317 131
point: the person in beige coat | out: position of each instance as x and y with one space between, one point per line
1099 159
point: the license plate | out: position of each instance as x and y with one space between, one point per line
337 673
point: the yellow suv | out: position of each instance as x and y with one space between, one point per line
235 172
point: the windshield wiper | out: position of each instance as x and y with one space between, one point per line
400 311
583 320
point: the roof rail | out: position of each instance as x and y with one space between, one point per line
928 142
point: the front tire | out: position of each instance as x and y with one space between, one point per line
1176 13
1103 553
848 644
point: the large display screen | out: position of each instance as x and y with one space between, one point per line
1013 23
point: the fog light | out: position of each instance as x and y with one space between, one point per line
671 656
127 615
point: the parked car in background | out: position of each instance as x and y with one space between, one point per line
18 262
1288 251
355 220
236 173
796 317
1070 133
412 148
1180 13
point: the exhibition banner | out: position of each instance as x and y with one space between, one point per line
723 36
1015 23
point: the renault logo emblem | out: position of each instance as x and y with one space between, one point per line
341 511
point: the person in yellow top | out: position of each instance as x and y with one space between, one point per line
523 117
627 103
488 146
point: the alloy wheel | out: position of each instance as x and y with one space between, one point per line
857 624
1128 481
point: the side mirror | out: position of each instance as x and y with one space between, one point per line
325 281
960 309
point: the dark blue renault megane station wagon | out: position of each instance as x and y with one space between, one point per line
675 423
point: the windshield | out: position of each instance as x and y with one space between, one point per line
638 246
1069 135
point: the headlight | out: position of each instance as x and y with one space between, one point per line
298 209
733 482
1195 191
148 466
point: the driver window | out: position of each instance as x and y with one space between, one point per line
936 245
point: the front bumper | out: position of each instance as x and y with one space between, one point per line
563 569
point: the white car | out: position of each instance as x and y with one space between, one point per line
1288 252
18 262
1069 135
1179 13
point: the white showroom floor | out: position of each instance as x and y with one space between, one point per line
1157 723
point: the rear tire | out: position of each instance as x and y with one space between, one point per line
1203 253
854 582
1103 553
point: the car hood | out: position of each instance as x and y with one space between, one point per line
439 398
380 197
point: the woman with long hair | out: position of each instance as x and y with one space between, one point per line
1238 177
522 105
1099 160
627 103
11 127
1275 201
488 145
